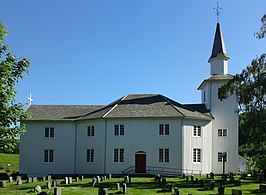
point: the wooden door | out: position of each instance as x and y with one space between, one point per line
140 163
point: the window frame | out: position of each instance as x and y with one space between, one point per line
48 156
90 155
90 131
49 132
164 129
197 131
119 130
197 155
164 155
220 159
119 155
222 132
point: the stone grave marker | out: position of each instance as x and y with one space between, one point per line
19 182
109 176
43 178
2 184
117 186
94 181
70 181
18 178
98 179
82 177
124 188
10 179
66 180
77 179
48 185
49 177
54 183
34 179
57 191
29 179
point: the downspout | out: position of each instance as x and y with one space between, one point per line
75 150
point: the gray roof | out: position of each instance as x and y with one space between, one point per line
218 77
218 48
129 106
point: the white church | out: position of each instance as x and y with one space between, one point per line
138 133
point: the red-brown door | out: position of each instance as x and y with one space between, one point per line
140 163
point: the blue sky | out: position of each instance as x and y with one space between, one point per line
96 51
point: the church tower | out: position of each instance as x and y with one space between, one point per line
224 126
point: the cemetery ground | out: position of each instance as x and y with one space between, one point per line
138 186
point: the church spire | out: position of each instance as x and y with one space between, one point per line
218 49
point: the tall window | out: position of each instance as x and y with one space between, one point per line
197 131
48 155
164 155
119 155
220 156
49 132
222 132
119 129
163 129
90 130
90 155
196 155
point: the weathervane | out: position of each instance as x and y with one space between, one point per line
30 99
217 10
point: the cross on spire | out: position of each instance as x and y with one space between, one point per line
30 99
217 10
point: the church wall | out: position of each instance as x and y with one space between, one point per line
191 142
143 135
226 117
33 143
96 142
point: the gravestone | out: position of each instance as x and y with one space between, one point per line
43 178
49 177
10 179
109 176
169 187
66 180
19 182
48 185
98 179
117 186
102 191
211 175
197 180
212 185
186 179
29 179
37 189
124 188
57 191
102 178
2 184
18 178
54 183
183 176
236 192
70 181
34 179
82 177
192 178
77 179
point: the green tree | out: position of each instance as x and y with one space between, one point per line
11 70
250 88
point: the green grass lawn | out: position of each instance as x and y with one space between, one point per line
138 186
9 162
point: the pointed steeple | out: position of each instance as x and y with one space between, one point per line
219 58
218 48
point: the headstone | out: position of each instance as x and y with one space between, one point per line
29 179
197 180
77 179
18 178
102 191
70 180
57 191
236 192
117 186
109 176
124 188
82 177
66 180
19 182
48 185
49 177
37 189
98 179
186 178
192 178
183 176
105 178
169 187
10 179
54 183
102 178
211 175
126 179
164 181
34 179
2 184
